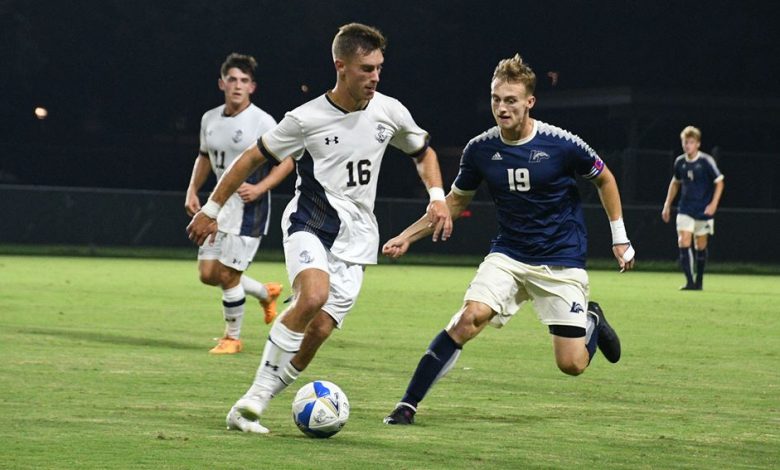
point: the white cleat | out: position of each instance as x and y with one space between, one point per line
237 422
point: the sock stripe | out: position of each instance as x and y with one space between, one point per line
237 303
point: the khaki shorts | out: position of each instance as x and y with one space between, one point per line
686 223
559 294
303 250
233 251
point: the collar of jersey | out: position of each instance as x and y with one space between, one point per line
224 107
333 103
521 141
698 154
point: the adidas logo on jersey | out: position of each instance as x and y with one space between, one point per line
496 156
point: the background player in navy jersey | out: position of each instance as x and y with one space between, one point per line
539 253
702 186
225 132
330 232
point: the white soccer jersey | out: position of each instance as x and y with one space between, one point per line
223 138
338 155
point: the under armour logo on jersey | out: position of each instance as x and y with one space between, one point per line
333 139
576 308
238 136
382 133
537 156
268 364
496 156
305 257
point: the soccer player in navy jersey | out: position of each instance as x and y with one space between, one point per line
697 174
539 253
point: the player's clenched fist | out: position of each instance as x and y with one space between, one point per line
200 228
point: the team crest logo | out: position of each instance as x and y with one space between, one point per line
382 133
537 156
305 257
576 308
238 136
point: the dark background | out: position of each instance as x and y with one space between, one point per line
126 82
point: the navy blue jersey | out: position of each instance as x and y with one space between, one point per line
697 178
533 186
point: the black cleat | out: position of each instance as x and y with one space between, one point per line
608 341
402 414
690 287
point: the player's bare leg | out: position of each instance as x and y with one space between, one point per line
275 372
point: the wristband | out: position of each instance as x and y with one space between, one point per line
619 236
211 209
437 194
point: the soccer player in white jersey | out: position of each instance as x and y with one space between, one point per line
697 174
225 132
539 254
330 231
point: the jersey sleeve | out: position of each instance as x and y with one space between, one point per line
409 137
469 178
203 149
714 171
284 140
587 163
678 169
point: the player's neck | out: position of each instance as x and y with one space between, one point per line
693 156
232 109
523 131
344 100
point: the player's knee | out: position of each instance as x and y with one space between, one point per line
321 328
311 301
571 367
209 278
468 325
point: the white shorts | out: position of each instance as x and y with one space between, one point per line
233 251
686 223
303 250
559 294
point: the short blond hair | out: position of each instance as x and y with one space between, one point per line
515 70
692 132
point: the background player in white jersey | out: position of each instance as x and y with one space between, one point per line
702 186
225 132
539 254
330 231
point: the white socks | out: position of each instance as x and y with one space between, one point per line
233 300
254 288
275 371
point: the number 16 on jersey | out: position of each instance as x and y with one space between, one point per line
519 179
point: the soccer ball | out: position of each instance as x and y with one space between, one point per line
320 409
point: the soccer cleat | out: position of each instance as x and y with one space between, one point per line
269 305
237 422
608 341
227 345
690 287
402 414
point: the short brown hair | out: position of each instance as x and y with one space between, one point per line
244 63
355 37
515 70
691 131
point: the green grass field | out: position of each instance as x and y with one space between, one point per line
105 365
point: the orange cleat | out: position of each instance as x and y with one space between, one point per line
269 305
227 345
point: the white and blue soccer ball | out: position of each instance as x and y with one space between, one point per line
320 409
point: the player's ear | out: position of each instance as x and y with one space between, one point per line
339 64
221 84
252 87
530 101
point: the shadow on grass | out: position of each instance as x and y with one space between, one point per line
111 339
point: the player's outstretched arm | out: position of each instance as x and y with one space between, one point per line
252 192
610 199
200 173
437 213
671 193
398 245
203 225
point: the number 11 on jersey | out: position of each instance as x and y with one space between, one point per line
519 179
